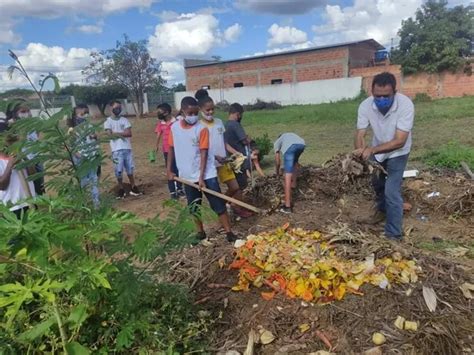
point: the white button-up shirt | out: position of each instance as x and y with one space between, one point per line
399 117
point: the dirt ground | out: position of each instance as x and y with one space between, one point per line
435 228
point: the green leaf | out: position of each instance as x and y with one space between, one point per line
75 348
37 331
125 337
78 315
102 281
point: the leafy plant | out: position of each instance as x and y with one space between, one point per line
264 145
75 279
422 97
450 156
263 105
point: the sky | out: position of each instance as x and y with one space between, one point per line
59 35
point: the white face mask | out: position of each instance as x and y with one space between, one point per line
207 117
191 120
24 114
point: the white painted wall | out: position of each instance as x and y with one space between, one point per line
308 92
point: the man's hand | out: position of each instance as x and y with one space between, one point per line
367 153
220 160
358 152
171 176
201 183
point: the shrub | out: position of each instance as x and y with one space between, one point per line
450 156
223 106
422 97
264 145
263 105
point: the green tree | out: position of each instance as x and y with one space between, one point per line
130 65
14 93
438 38
99 95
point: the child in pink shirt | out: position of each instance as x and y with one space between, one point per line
162 130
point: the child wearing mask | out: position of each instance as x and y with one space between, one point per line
14 188
189 145
218 150
20 110
87 149
162 130
121 131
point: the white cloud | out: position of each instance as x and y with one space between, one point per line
38 59
232 33
282 35
377 19
193 35
173 71
12 10
92 29
280 7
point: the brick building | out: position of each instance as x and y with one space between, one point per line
317 63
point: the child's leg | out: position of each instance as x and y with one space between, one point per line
218 204
171 183
117 158
174 169
233 188
129 165
296 169
288 183
194 198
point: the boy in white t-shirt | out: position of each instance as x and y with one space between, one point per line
12 188
217 148
189 145
118 126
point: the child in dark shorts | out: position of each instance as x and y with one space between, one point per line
189 145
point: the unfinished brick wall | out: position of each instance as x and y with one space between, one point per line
330 63
446 84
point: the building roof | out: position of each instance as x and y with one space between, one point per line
192 63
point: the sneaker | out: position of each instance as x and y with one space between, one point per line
231 237
376 218
286 210
181 193
134 191
173 195
120 194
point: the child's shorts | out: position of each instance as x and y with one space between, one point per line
123 159
225 173
194 197
292 156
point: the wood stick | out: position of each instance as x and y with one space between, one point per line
220 195
467 170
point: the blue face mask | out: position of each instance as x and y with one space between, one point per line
383 103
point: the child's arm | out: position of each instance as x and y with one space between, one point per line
170 173
202 167
230 149
171 158
204 148
158 139
127 133
5 177
277 162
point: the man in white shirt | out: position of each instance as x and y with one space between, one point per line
390 115
121 130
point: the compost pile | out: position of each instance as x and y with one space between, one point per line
305 264
343 174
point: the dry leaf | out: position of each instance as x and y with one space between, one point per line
239 243
304 327
266 337
400 322
467 290
291 347
457 252
378 338
321 352
221 262
250 343
373 351
430 298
